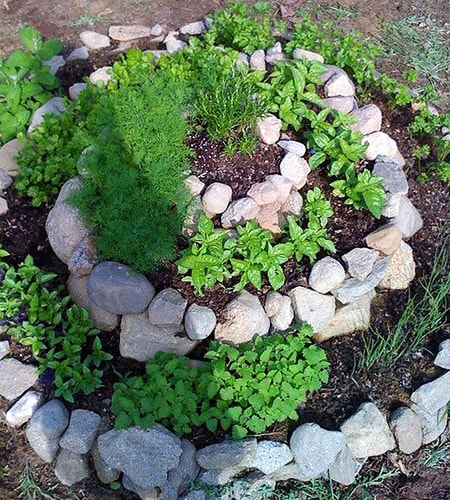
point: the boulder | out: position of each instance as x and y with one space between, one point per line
167 308
312 307
368 119
295 168
228 454
5 180
292 147
258 60
443 356
282 185
433 396
345 468
407 428
239 212
401 269
293 205
379 143
278 308
15 378
339 85
408 219
393 178
101 76
194 184
216 198
24 408
79 53
386 239
264 193
342 104
275 54
54 106
195 28
271 456
307 54
94 41
268 217
8 153
199 322
269 129
326 274
129 32
360 261
70 468
76 89
80 434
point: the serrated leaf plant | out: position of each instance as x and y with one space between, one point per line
25 82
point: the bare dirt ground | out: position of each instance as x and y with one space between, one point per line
65 20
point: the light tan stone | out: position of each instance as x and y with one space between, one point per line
401 269
386 239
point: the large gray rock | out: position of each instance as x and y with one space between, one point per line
407 428
219 477
315 449
393 178
105 473
433 396
54 106
352 289
443 356
263 192
125 450
312 307
401 269
70 468
78 53
349 318
239 212
94 41
46 427
141 340
64 227
80 434
433 424
77 288
279 309
116 288
101 76
367 432
199 322
345 468
360 261
408 219
368 119
271 456
244 317
326 274
307 54
379 143
54 64
195 28
15 378
289 471
186 472
228 454
295 168
8 153
167 308
24 408
275 54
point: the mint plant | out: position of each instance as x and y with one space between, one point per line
25 82
317 205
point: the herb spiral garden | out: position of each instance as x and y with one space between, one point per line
205 183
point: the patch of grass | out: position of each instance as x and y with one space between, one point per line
420 42
422 317
4 469
30 489
87 19
340 11
438 455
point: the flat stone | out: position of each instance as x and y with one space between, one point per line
228 454
379 143
70 468
443 356
292 147
15 378
433 396
408 219
76 89
393 178
345 468
386 239
349 318
295 168
308 55
401 269
141 340
339 85
194 184
8 153
46 427
157 30
167 308
315 449
216 198
129 32
80 434
195 28
353 289
360 261
54 106
79 53
312 307
101 76
342 104
239 212
4 349
271 456
367 432
258 60
103 320
269 129
125 449
279 309
293 205
118 289
368 119
326 274
199 322
94 41
5 180
407 428
24 408
244 317
433 424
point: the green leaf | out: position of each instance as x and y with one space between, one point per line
239 432
317 159
31 38
50 48
276 277
212 390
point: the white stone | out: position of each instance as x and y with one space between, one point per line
360 261
342 104
24 408
401 269
94 41
3 206
76 89
195 28
157 30
408 219
391 206
263 193
194 184
4 349
307 54
216 198
293 205
8 153
379 143
279 309
283 185
433 424
312 307
15 378
443 356
275 54
339 85
54 106
326 274
292 147
79 53
173 45
129 32
54 64
258 60
295 168
199 322
345 468
271 456
101 76
385 239
368 119
269 129
433 396
239 212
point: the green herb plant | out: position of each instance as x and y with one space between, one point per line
25 82
245 388
57 332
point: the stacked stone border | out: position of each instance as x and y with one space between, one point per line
155 463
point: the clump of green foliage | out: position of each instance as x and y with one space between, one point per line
242 27
133 194
245 388
133 68
25 82
57 332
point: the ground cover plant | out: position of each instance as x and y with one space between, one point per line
132 71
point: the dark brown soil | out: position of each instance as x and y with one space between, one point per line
22 233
